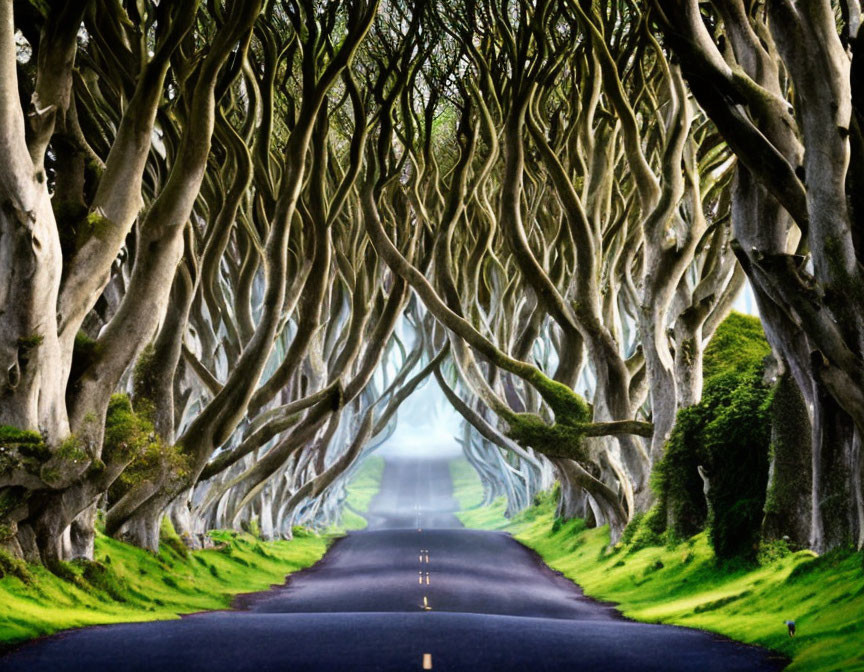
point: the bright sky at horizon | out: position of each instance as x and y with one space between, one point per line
427 426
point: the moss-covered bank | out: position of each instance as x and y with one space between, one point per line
364 485
683 584
126 583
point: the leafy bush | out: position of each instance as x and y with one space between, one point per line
728 435
738 441
676 477
773 550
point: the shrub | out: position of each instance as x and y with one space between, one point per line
676 477
728 434
738 344
773 550
737 441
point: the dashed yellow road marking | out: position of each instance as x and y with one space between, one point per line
427 661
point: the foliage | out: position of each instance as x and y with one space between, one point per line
131 433
629 531
773 550
125 431
737 344
648 530
676 478
728 435
21 449
736 441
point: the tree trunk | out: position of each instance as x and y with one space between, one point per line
788 507
834 515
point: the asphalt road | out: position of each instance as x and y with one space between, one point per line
415 591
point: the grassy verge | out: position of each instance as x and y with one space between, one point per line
126 583
468 493
682 584
362 488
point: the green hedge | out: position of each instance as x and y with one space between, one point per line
728 434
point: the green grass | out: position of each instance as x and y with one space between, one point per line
682 584
362 488
469 494
126 583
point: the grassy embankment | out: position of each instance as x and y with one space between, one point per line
363 487
683 585
126 584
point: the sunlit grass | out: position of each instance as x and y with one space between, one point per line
469 494
126 583
682 584
363 487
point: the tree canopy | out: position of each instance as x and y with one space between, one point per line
236 236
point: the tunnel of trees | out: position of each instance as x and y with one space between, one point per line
236 236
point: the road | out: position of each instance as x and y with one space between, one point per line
414 591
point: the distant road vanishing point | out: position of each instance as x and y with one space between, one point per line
415 591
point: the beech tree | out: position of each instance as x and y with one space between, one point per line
236 236
779 82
